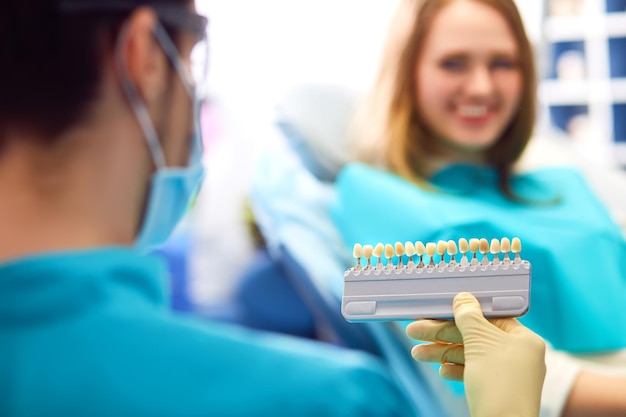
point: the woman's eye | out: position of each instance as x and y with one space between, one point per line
503 63
453 64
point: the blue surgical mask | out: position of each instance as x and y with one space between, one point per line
171 188
171 191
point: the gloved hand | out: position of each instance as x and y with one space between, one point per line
501 361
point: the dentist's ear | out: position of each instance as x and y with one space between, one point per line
139 56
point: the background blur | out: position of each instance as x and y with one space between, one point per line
260 49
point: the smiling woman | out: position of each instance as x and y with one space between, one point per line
468 79
451 89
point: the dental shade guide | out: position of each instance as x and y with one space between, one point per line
414 289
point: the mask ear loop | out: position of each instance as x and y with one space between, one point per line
138 106
186 78
172 54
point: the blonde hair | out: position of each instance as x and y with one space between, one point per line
389 128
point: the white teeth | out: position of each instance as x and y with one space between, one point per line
472 111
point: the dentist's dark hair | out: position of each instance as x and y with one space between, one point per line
52 63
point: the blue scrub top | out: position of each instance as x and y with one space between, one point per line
89 334
578 286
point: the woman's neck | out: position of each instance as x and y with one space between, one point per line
442 157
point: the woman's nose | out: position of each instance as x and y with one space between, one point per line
479 81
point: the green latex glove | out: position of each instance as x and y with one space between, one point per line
501 362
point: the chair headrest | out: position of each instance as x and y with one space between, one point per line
315 119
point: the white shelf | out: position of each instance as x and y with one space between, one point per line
616 25
564 28
618 89
556 92
553 92
576 28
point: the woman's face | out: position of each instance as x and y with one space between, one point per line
468 77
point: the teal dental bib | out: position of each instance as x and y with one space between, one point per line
578 289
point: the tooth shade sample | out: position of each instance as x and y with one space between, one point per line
357 252
399 248
516 245
495 246
484 246
420 249
442 246
378 250
473 245
463 245
452 249
431 248
409 248
505 245
389 251
367 251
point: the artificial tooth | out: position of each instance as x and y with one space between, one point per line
357 253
